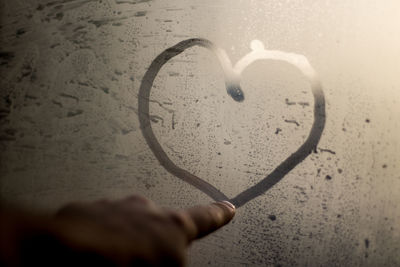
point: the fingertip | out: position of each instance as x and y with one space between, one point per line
208 218
229 210
229 204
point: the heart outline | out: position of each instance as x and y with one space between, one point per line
232 82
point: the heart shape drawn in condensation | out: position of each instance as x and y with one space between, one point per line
232 82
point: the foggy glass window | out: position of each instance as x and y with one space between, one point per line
290 109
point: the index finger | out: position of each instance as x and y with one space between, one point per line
199 221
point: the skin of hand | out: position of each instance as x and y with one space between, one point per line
128 232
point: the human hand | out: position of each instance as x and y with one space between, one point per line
134 231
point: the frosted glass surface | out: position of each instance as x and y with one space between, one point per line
73 79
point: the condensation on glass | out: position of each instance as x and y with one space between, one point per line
74 75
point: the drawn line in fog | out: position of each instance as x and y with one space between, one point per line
232 83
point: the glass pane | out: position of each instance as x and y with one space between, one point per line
303 136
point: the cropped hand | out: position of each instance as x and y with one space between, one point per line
128 232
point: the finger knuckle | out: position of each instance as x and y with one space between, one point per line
179 219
